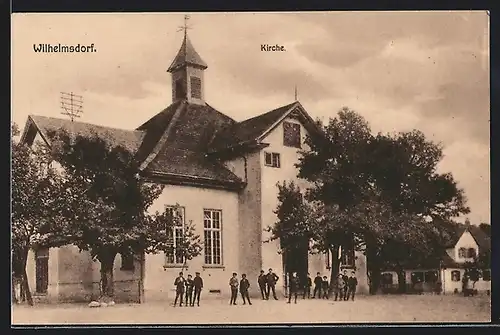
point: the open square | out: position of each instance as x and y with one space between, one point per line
365 309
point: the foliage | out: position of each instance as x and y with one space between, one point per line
109 206
384 189
37 198
486 228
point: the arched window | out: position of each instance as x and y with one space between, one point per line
462 253
471 253
455 275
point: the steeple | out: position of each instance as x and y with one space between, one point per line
187 71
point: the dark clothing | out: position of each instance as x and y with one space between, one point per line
271 280
294 287
325 289
307 288
233 283
189 292
318 282
346 288
262 280
352 282
340 288
179 290
244 285
198 285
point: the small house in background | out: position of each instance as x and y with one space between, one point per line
445 274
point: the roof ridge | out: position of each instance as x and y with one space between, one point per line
34 116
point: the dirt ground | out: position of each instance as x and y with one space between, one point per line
365 309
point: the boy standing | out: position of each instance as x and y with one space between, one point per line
318 282
244 286
198 285
189 291
352 282
346 279
233 284
339 287
294 287
325 287
179 289
307 287
272 278
262 280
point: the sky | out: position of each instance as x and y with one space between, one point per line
400 70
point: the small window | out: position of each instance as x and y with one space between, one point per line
417 277
291 134
127 262
272 159
462 253
180 92
431 277
387 278
455 275
195 87
471 253
486 275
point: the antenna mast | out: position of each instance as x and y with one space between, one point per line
72 105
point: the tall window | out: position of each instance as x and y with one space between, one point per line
180 92
347 254
272 159
195 87
42 270
291 134
176 234
212 221
462 253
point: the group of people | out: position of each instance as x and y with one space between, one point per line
344 287
188 289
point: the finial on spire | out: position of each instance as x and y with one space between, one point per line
296 93
185 27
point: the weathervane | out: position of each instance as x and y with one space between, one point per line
185 27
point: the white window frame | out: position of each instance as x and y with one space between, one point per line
209 228
275 159
175 232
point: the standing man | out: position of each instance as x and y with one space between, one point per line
339 287
272 279
179 289
233 284
325 287
262 280
352 282
294 287
244 286
346 279
198 285
307 287
318 282
189 291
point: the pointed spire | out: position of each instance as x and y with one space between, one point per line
187 55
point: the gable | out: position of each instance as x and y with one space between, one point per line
466 241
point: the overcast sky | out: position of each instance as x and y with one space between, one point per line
400 70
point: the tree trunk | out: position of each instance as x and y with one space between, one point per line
107 283
401 280
373 268
25 287
335 267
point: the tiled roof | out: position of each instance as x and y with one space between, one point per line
187 55
129 139
248 130
483 240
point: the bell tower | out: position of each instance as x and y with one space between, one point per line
187 72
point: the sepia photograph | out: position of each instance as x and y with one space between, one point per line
318 168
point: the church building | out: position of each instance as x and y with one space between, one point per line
223 175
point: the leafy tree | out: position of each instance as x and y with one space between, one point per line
37 197
110 202
379 189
